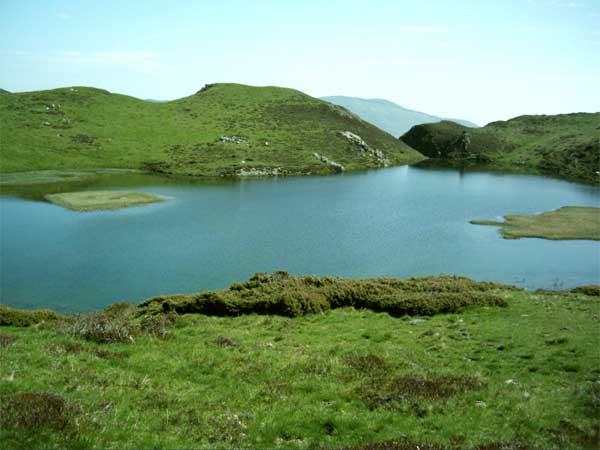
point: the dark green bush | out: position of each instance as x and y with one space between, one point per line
35 410
590 289
25 318
292 296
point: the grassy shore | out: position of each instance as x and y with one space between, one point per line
101 200
568 222
507 369
564 145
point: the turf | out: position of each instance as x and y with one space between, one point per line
101 200
525 375
565 146
223 130
568 222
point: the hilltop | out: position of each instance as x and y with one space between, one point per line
222 130
387 115
565 145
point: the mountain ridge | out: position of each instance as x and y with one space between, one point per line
387 115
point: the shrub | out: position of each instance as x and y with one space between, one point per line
25 318
35 410
159 325
590 289
102 328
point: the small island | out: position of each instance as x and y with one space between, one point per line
568 222
101 200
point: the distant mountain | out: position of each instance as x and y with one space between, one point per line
222 130
151 100
4 91
387 115
564 145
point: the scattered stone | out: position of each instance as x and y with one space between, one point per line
46 123
337 167
416 321
480 404
260 172
510 381
233 139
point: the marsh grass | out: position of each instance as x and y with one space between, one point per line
101 200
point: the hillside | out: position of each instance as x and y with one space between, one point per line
566 145
284 361
222 130
387 115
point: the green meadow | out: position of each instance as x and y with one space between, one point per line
437 362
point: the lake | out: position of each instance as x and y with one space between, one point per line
398 222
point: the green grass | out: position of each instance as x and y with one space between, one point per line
101 200
523 375
56 176
566 145
71 129
568 222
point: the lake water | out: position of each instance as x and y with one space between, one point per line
397 222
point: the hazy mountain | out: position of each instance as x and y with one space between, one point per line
387 115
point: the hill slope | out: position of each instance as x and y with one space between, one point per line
223 130
387 115
565 145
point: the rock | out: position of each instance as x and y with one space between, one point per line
337 167
260 172
365 149
46 124
232 139
510 381
480 404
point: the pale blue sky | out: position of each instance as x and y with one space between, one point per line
480 60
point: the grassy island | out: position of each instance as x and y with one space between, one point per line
101 200
568 222
305 362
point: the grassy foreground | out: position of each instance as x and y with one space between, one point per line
565 145
523 373
101 200
222 130
568 222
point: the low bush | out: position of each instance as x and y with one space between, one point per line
103 328
25 318
293 296
35 410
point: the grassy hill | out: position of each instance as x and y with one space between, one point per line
223 130
387 115
286 361
566 145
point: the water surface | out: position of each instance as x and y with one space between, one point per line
398 222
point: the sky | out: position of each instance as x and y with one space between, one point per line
480 60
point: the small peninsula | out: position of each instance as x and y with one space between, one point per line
568 222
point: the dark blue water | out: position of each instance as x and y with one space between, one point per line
398 222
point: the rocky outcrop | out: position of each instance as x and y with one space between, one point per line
336 167
233 139
260 172
365 149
